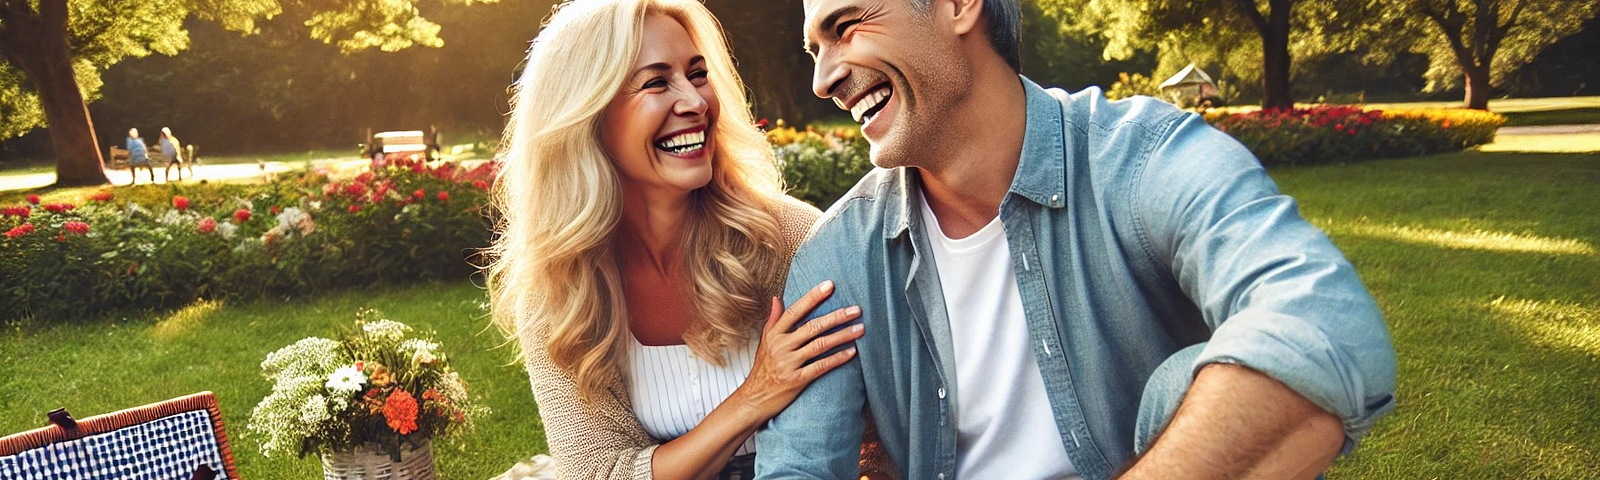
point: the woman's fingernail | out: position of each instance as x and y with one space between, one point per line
850 351
857 328
852 311
827 286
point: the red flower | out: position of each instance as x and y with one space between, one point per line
364 177
79 228
180 202
241 215
1446 124
400 412
20 230
18 211
480 184
206 225
273 210
33 199
59 207
355 207
355 189
419 193
102 196
444 196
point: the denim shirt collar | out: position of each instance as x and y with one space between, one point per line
1039 177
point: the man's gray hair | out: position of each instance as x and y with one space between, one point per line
1005 27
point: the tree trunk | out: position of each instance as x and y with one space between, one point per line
1275 58
1477 86
38 47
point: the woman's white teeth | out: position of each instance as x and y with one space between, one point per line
867 103
683 142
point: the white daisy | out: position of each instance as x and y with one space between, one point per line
346 379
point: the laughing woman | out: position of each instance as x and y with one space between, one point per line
643 236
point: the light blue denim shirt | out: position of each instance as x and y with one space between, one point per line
1135 230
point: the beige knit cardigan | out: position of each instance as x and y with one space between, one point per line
602 439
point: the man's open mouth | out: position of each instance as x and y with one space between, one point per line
683 143
871 103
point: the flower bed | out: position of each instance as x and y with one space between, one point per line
1337 134
820 166
163 246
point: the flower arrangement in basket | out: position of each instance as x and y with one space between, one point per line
380 389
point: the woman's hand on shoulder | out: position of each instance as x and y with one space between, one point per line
781 369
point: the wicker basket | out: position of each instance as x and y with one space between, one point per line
367 462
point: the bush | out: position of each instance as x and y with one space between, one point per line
819 167
1131 85
1337 134
164 246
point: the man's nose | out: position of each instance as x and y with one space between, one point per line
828 74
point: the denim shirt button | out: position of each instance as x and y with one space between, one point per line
941 476
1054 200
941 396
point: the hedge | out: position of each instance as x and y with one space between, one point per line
168 245
1342 133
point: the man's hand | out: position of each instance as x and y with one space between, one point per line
1236 423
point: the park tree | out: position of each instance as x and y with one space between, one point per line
54 51
1282 29
1484 41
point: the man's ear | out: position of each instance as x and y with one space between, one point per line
964 15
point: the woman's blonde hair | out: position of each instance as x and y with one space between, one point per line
553 272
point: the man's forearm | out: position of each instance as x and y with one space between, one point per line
1236 423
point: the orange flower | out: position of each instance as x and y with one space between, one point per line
401 412
379 375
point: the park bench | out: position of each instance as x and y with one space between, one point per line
118 158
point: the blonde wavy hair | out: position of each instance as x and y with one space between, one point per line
552 269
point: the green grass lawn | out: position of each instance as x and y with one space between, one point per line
102 365
1486 264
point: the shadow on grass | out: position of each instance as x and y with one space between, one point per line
1568 116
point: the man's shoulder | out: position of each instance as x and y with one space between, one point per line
859 215
1089 111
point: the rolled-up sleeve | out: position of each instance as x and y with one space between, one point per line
1279 297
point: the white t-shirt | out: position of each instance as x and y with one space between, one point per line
672 390
1004 425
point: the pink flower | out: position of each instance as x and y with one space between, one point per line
76 227
180 202
206 225
241 215
419 193
444 196
33 199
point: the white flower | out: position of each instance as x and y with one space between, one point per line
315 411
346 379
226 229
385 330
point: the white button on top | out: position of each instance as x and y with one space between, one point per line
1054 199
941 392
941 476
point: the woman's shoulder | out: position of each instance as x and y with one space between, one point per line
795 217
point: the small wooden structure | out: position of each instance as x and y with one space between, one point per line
1192 87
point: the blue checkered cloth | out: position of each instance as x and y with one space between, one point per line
168 448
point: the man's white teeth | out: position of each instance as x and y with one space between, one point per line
683 142
868 102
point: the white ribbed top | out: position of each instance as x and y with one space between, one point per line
672 391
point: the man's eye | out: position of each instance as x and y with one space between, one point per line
844 27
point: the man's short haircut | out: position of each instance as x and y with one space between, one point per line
1005 27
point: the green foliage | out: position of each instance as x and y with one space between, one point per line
1340 134
161 246
1502 34
103 33
820 167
